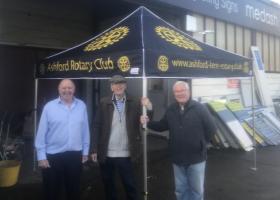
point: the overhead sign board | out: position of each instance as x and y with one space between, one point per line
250 13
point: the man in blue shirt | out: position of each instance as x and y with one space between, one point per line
62 143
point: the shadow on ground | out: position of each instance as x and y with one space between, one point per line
229 176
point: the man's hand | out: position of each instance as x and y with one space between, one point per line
44 164
145 101
144 119
84 159
94 157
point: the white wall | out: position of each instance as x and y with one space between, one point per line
217 88
274 85
213 88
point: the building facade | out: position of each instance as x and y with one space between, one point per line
235 26
32 29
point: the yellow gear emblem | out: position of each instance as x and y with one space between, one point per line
108 39
246 67
123 63
163 63
176 38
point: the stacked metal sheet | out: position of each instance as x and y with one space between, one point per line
240 127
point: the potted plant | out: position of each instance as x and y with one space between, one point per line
10 153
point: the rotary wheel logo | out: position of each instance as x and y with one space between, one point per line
163 63
123 63
246 67
108 39
176 38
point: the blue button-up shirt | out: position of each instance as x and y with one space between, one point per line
62 128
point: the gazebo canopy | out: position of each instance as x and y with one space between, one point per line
143 45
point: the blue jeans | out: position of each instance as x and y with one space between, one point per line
189 181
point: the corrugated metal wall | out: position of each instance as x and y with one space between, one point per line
51 24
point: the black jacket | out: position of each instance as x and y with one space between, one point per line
189 132
103 122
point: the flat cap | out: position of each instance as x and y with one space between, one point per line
117 79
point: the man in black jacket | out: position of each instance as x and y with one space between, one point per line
190 128
116 138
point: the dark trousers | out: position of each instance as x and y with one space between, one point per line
124 167
65 171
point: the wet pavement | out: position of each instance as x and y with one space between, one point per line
229 176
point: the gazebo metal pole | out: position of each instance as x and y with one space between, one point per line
35 121
144 137
253 122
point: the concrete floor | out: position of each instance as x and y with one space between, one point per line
229 176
